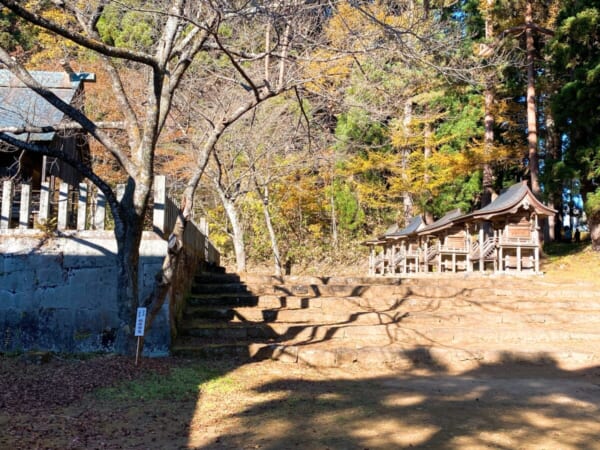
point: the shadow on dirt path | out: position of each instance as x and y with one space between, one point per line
507 405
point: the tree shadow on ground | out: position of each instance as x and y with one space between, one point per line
505 405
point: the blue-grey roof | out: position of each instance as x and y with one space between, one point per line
442 223
511 199
20 106
512 195
413 226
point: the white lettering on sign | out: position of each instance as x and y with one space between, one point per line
140 322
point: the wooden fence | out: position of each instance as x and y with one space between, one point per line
78 209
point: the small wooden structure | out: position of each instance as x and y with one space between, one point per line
514 224
400 250
504 234
405 246
446 244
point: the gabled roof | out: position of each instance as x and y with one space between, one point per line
441 224
393 232
414 225
20 106
517 196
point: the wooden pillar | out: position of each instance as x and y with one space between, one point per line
25 207
120 191
44 211
425 256
82 206
100 213
160 202
468 267
7 199
371 260
204 226
63 206
518 258
481 249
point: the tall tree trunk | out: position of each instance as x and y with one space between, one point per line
594 224
237 233
129 236
428 133
488 95
272 236
553 153
532 139
334 227
407 211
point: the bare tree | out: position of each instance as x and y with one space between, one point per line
182 30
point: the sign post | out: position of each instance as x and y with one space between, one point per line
140 325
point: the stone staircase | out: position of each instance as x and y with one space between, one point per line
452 322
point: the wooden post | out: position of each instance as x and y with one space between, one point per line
7 199
160 198
100 213
63 203
120 191
204 226
82 206
44 211
468 266
25 208
481 249
425 261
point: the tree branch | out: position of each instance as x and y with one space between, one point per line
78 38
66 126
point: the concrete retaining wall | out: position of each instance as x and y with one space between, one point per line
59 293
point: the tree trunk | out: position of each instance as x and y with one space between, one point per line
532 139
129 236
407 198
271 230
237 234
594 225
428 133
553 153
488 95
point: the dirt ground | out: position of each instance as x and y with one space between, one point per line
107 403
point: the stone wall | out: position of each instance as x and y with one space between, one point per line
59 293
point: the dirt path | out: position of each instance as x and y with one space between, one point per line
174 404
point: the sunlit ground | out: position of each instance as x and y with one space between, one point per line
277 406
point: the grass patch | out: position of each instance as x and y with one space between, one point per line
182 383
571 262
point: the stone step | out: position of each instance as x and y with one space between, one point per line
424 317
216 278
393 291
220 288
482 305
257 279
437 358
223 300
385 334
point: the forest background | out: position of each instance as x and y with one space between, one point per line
377 111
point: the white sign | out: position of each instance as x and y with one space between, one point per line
140 322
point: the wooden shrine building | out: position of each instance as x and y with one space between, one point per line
503 236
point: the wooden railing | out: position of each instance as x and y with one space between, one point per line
78 209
